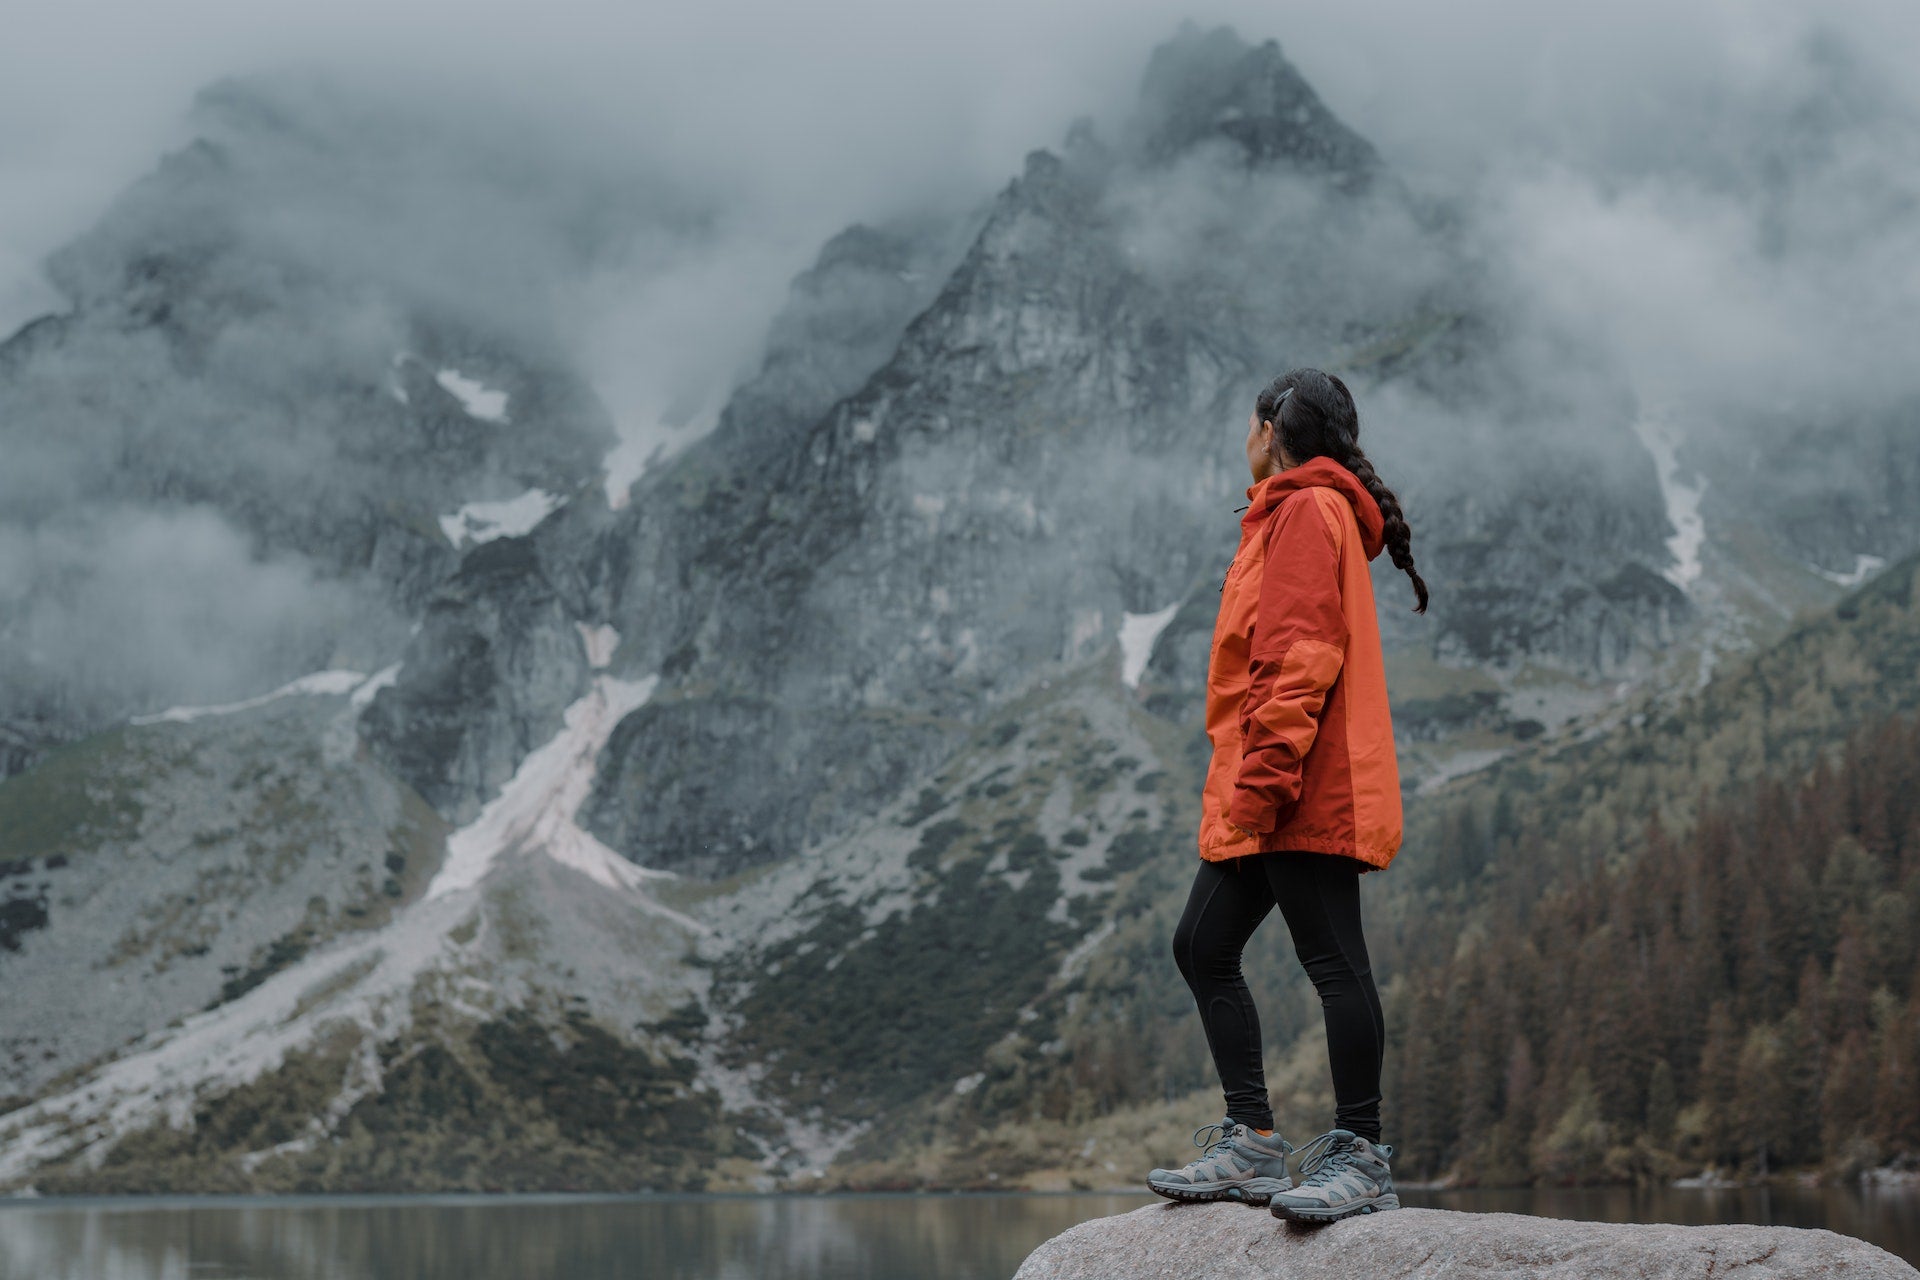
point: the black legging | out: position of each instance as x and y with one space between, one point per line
1319 894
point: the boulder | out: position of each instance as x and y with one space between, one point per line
1233 1241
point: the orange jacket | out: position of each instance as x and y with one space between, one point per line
1296 690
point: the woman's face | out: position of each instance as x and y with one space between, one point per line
1264 454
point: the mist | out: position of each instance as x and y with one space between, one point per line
1719 199
1621 152
138 599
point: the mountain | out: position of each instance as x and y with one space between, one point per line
1037 458
832 781
282 400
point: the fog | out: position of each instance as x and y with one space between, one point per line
845 110
1622 148
145 596
1721 196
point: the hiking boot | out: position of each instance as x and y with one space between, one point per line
1341 1174
1239 1164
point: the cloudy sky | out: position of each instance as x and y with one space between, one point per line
835 110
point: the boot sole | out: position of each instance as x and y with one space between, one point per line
1254 1191
1378 1204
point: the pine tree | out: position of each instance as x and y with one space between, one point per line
1573 1146
1799 1135
1897 1089
1846 1100
1519 1086
1719 1082
1760 1099
1663 1104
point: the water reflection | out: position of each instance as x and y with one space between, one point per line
905 1237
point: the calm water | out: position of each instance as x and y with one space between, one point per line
878 1237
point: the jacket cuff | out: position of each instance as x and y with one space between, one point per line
1248 812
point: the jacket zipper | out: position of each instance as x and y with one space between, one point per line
1236 555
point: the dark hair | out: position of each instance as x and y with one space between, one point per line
1319 420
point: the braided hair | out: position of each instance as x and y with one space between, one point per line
1319 419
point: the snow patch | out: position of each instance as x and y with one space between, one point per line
535 811
1459 765
323 682
1864 567
363 693
479 400
600 641
1138 632
1660 433
479 522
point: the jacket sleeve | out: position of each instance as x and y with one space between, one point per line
1299 643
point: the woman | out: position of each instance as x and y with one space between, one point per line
1301 797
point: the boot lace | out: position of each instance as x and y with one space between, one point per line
1220 1138
1225 1132
1222 1131
1324 1159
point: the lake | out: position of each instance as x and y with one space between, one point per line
852 1237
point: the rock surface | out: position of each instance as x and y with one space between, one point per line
1225 1242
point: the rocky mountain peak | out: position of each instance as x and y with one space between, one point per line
1207 85
275 114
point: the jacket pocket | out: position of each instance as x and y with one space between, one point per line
1222 834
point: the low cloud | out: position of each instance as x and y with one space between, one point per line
112 608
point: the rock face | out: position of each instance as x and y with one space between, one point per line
1227 1242
871 553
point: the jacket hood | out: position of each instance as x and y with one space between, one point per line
1323 471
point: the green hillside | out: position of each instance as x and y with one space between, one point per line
1682 939
1738 993
1688 941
